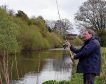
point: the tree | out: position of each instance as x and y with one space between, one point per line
11 12
22 15
92 14
50 25
62 25
8 33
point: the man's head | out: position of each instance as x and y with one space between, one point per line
88 34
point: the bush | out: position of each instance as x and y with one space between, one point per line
50 82
56 82
19 34
102 35
54 40
8 33
76 41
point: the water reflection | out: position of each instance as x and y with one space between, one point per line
53 68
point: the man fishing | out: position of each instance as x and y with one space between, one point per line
89 56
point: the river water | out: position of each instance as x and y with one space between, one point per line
38 67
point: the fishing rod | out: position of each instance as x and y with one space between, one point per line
58 10
66 39
64 45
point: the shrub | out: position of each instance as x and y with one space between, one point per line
8 33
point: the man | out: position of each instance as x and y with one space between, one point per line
89 56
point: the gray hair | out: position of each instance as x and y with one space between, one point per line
90 31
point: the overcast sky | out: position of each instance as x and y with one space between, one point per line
45 8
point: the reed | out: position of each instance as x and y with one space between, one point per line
5 69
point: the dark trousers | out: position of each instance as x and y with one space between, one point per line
89 78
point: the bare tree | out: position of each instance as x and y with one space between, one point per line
92 14
62 25
11 12
50 25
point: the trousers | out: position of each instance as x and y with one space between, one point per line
88 78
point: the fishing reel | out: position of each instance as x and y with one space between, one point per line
65 46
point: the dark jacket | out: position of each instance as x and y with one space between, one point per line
89 56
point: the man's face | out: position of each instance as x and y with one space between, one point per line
86 36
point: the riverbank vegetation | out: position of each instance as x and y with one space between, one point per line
18 32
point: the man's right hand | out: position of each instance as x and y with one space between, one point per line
67 44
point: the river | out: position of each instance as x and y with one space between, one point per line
38 67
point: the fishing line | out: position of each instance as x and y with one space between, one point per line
58 10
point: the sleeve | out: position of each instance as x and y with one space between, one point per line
74 50
86 51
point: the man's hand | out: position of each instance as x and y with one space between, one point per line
67 44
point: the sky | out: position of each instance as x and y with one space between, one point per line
45 8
